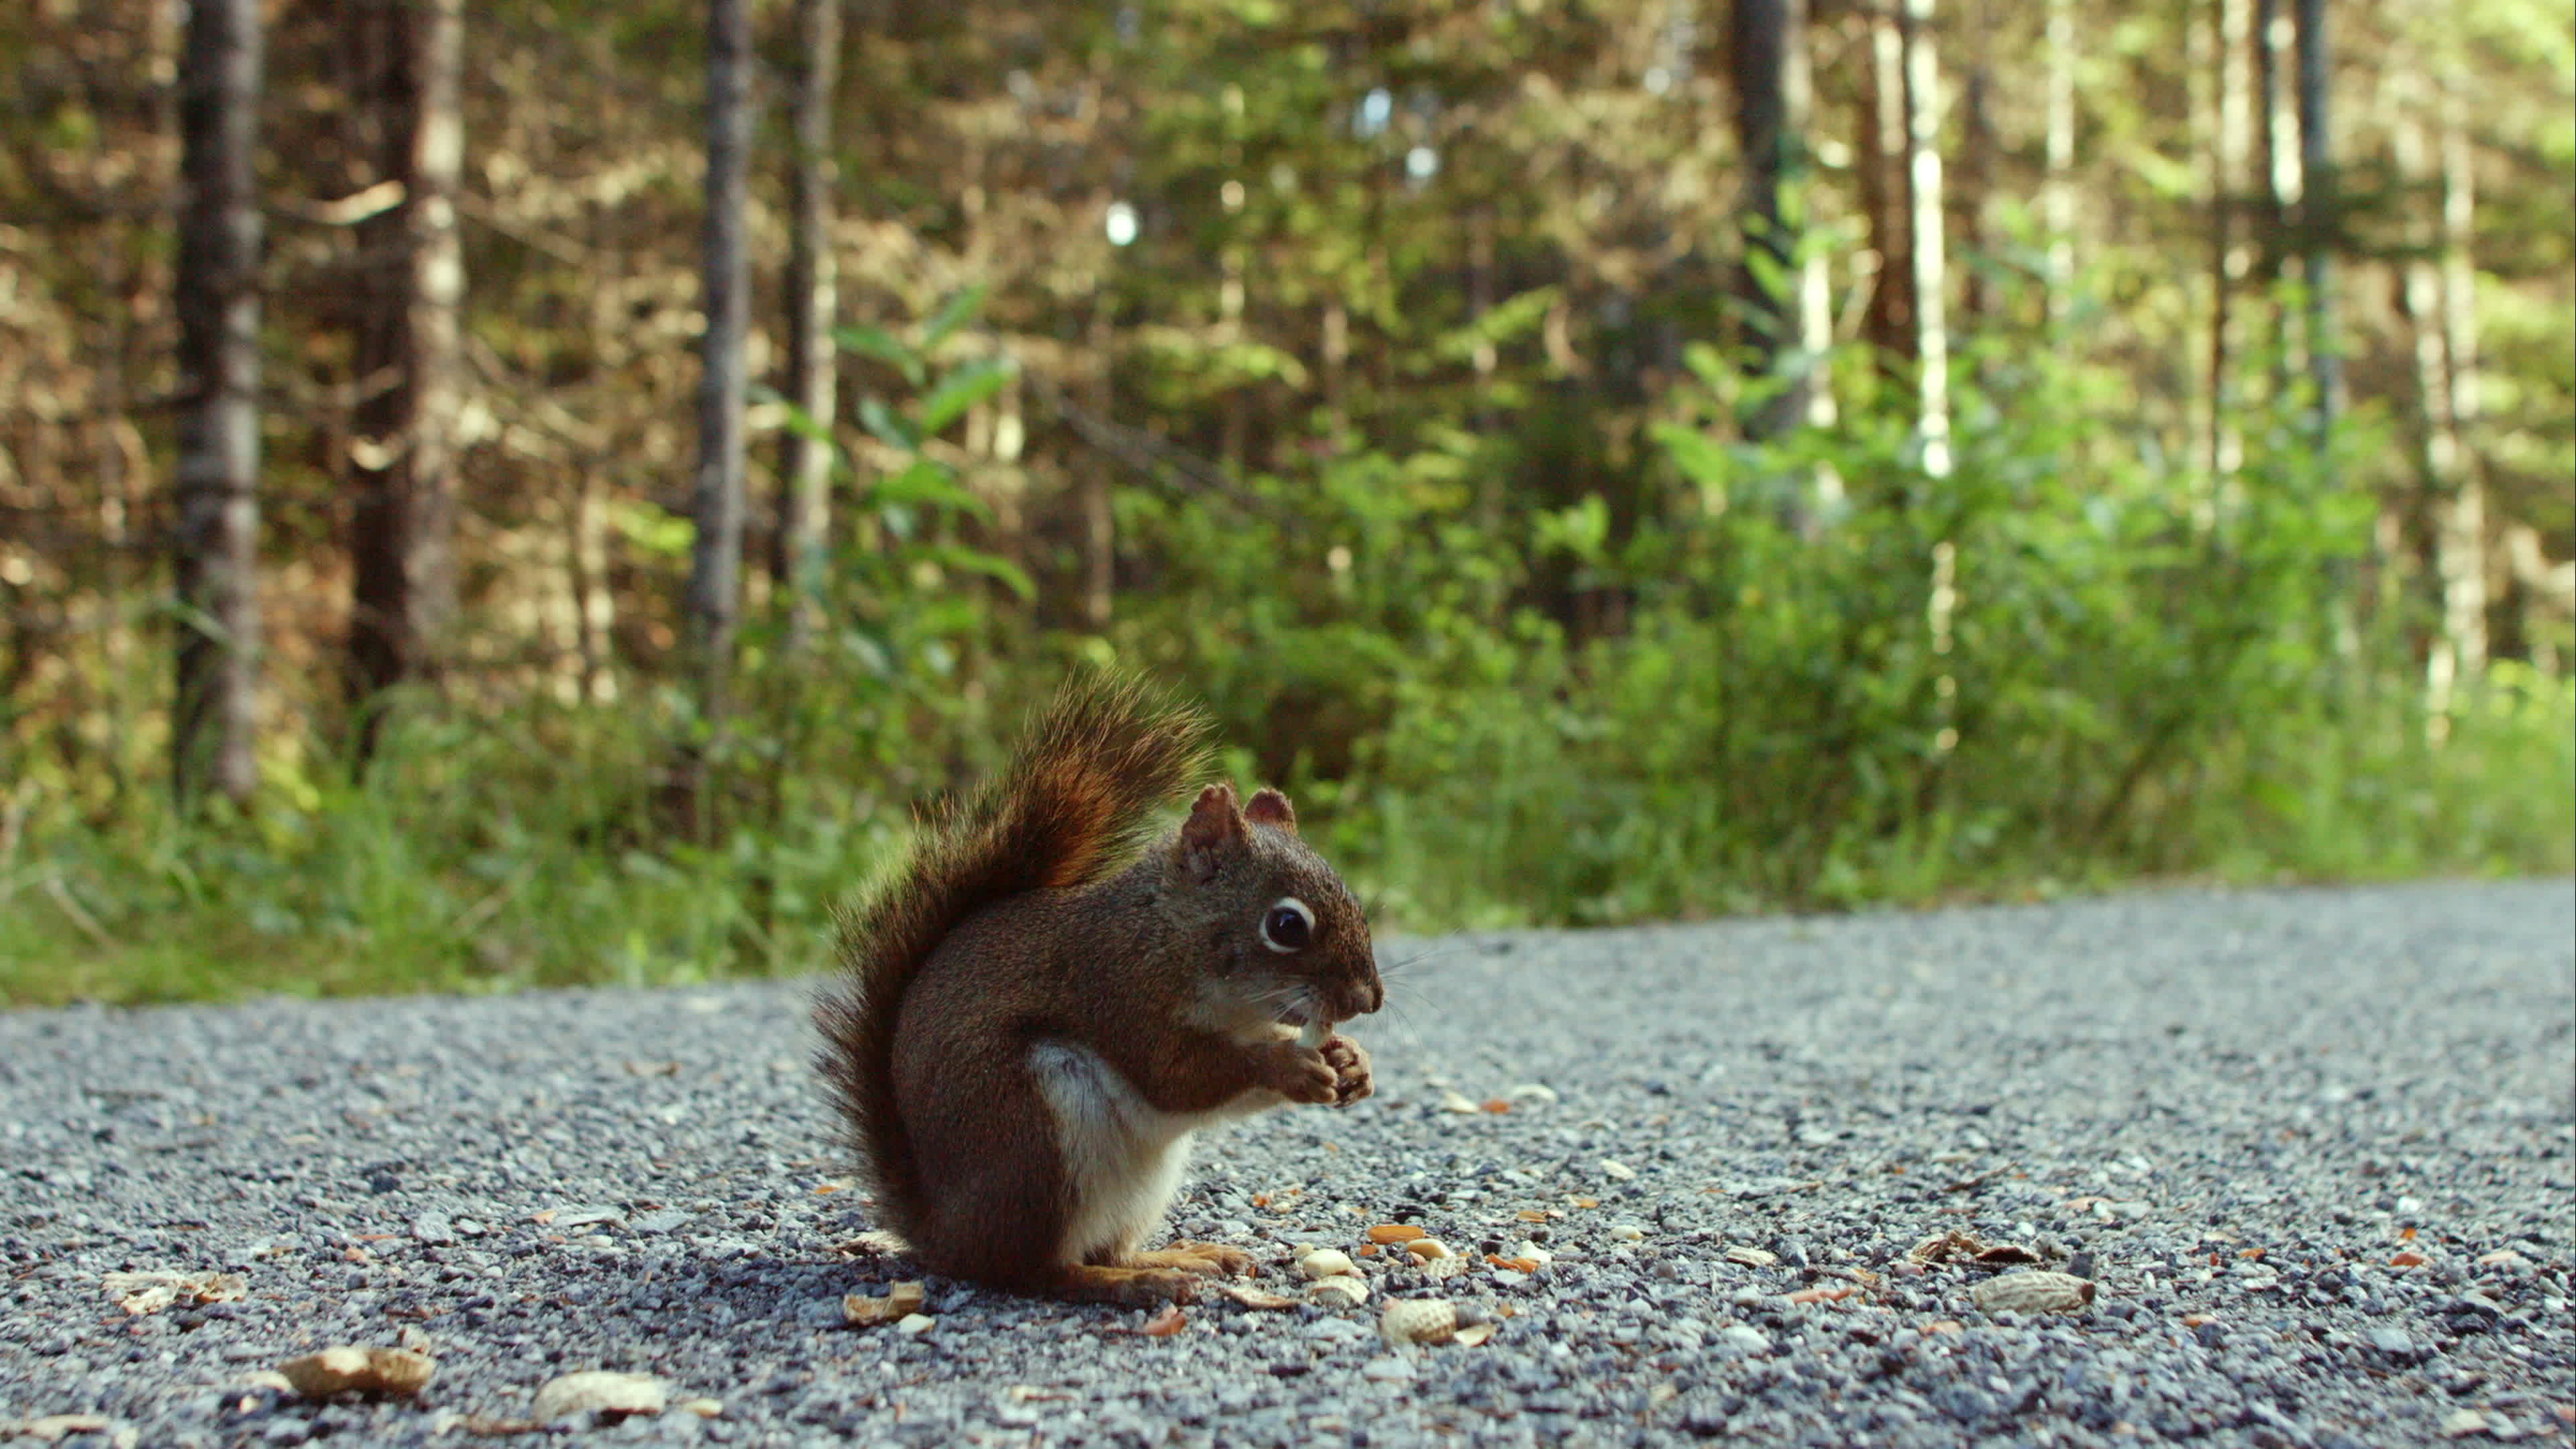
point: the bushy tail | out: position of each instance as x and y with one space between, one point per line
1072 806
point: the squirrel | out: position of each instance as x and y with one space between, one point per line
1042 1005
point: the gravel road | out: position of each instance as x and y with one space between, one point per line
2313 1148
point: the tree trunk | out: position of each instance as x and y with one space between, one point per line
1923 190
1763 135
2317 214
214 557
2464 533
805 463
1888 322
2276 134
1091 483
714 600
1769 49
2433 296
1980 148
2057 193
2229 261
402 528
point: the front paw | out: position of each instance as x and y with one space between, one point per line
1301 1074
1350 1063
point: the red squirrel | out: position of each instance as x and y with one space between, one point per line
1047 999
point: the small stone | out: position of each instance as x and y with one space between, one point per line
597 1391
2461 1423
1453 1102
1617 1171
914 1323
1387 1370
1744 1339
434 1229
2389 1339
1752 1257
1628 1232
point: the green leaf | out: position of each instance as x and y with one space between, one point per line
956 312
961 389
798 421
889 428
928 482
884 346
975 561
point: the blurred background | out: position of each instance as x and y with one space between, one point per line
533 493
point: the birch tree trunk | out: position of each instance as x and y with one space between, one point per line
813 299
2464 522
2276 133
402 527
2433 295
1923 190
214 554
2229 261
2057 194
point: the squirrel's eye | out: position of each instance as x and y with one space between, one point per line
1288 925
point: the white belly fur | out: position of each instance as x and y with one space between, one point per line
1122 1158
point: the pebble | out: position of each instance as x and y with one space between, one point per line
1744 1339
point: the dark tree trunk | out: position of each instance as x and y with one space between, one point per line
805 464
713 605
1888 323
403 571
214 557
2317 221
715 565
1770 125
1980 146
1091 482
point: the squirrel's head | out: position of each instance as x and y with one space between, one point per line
1288 942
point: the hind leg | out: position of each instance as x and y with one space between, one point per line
992 1184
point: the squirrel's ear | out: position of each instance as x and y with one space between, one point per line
1213 828
1269 807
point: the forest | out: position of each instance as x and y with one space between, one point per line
538 493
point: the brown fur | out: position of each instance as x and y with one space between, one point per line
1023 952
